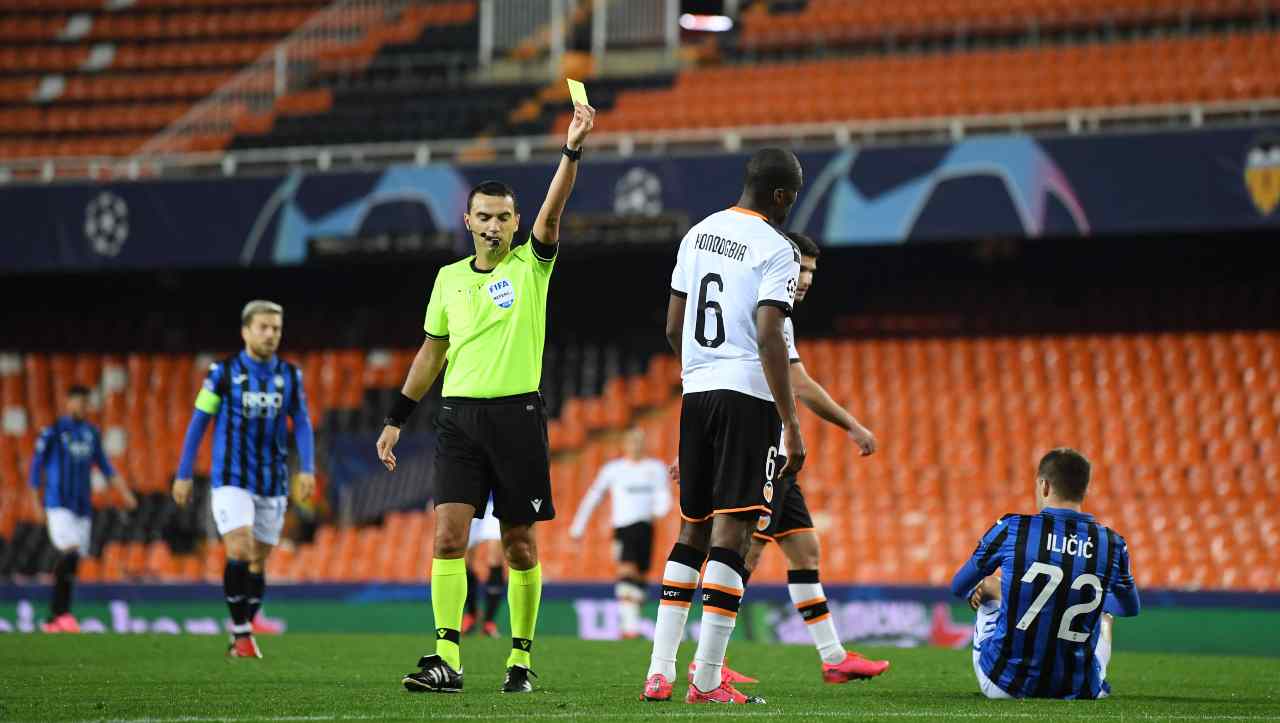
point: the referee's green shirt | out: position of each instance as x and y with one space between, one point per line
495 322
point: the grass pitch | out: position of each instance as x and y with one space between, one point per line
308 677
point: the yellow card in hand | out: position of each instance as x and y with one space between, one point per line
577 91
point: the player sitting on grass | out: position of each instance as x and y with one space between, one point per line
1044 628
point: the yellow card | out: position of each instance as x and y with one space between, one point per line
577 91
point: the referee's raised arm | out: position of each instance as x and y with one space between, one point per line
546 228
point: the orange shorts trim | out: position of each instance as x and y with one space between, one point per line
762 508
674 603
718 611
792 532
807 603
818 619
736 592
681 585
762 537
687 518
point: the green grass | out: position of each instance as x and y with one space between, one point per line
326 677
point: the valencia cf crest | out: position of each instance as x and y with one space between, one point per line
768 492
763 523
1262 174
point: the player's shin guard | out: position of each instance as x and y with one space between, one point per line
524 595
64 577
722 590
493 589
811 603
257 588
679 581
448 596
235 586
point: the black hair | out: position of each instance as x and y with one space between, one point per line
78 390
493 188
770 169
1067 472
807 246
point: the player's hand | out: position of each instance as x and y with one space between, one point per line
304 485
387 442
863 437
584 118
794 444
986 590
182 491
130 499
673 471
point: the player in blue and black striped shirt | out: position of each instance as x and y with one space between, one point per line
250 395
1044 627
65 452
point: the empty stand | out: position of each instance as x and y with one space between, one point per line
1182 428
836 22
984 82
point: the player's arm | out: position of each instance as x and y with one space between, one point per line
589 502
812 394
1123 600
773 357
773 305
104 465
208 402
304 482
546 228
985 560
675 321
44 444
426 366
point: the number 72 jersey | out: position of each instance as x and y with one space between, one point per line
730 264
1060 570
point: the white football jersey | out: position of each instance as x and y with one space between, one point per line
639 490
789 336
729 264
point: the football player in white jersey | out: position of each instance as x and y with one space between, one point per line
791 526
640 494
731 291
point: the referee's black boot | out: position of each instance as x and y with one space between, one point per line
434 676
518 680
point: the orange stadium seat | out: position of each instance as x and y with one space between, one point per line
1142 72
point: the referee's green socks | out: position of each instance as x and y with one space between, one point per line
448 597
524 593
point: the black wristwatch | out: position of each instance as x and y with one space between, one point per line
570 153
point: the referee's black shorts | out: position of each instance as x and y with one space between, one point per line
496 446
728 446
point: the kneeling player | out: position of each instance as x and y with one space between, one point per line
1043 630
484 549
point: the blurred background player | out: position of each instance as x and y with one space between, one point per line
791 525
1043 629
250 395
484 551
64 453
487 317
639 492
737 413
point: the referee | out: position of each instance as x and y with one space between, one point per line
487 317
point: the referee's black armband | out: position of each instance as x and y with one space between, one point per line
400 412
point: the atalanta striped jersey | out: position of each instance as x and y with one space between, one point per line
1058 568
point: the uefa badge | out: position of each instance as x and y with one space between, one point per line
279 382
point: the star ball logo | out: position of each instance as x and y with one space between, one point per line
1262 174
106 224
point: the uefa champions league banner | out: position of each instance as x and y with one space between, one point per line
992 186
